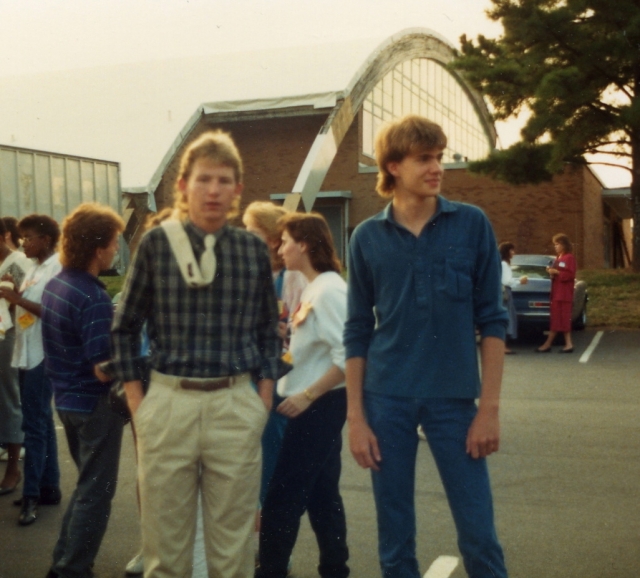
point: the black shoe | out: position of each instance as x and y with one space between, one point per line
570 350
29 511
547 350
49 496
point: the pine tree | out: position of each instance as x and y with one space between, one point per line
574 67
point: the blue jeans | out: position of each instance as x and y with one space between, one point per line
394 421
306 478
271 444
41 449
94 444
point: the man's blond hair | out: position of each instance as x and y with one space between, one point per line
395 140
218 147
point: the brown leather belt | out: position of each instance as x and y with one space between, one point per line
207 384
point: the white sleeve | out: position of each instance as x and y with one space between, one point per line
507 274
331 313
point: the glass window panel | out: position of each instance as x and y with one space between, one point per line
423 86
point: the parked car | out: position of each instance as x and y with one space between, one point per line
532 299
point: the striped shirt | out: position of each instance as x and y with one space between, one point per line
76 319
225 328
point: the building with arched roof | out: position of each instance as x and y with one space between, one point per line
304 121
317 148
310 144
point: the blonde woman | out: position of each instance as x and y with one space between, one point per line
261 219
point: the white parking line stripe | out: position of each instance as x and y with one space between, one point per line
442 567
592 347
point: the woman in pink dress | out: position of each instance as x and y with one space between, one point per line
563 274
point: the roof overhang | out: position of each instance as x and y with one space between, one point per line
620 201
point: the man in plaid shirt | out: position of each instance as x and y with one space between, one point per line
199 425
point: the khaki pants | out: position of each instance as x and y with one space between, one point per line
190 440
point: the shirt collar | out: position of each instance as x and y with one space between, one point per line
199 234
444 206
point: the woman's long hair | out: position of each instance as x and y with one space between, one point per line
312 230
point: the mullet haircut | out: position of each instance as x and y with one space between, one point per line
90 227
217 147
397 139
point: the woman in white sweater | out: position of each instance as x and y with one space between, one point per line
307 473
507 251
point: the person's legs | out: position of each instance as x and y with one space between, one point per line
231 426
94 443
548 343
50 481
394 421
10 412
271 443
466 483
308 443
325 507
41 456
12 474
168 430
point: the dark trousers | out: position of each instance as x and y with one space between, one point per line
306 478
41 468
94 443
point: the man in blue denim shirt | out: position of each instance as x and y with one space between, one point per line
423 274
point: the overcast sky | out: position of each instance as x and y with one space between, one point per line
46 35
39 36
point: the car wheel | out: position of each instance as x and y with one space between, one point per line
581 321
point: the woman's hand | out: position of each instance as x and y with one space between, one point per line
11 296
294 405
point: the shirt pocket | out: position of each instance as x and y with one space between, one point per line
458 274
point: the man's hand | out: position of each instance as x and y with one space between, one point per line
101 375
265 391
483 437
135 395
294 405
364 445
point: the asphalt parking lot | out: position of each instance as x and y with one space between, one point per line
566 480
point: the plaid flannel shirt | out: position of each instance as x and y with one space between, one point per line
226 328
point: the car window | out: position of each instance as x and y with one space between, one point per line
531 271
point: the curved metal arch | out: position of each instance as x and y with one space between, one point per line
406 45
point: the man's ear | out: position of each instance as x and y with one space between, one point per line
182 186
392 168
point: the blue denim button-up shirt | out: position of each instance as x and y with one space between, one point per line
414 302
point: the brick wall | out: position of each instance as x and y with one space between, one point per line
274 150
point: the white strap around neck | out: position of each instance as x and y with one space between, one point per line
194 274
